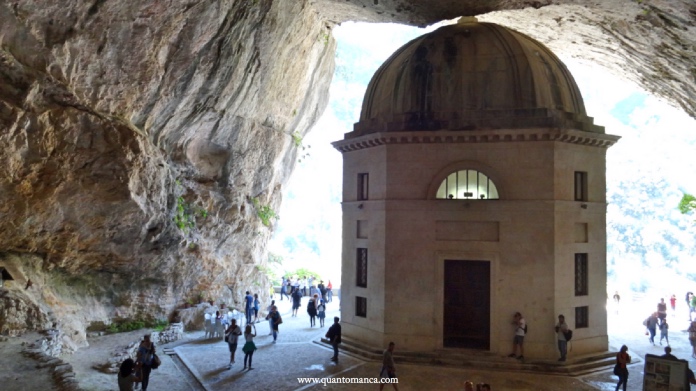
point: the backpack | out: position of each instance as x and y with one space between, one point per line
568 335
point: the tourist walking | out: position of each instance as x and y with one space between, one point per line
256 307
295 284
249 346
622 358
388 370
296 301
231 335
673 304
312 310
126 375
661 309
518 340
334 336
689 305
322 290
303 286
651 324
284 289
321 313
692 338
145 356
275 319
561 331
329 292
270 322
248 306
664 327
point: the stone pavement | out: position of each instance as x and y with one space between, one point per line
297 355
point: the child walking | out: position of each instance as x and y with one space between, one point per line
249 346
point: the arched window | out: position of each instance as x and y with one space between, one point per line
467 185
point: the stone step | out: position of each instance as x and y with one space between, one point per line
576 366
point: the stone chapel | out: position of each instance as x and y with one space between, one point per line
474 187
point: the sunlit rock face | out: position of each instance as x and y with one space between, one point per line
134 136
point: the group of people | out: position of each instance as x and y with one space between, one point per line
657 320
563 335
290 285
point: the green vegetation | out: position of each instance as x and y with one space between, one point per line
265 212
186 213
122 327
687 204
160 325
296 139
323 37
132 325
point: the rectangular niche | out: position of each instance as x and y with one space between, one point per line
581 314
361 306
580 233
363 186
362 229
467 231
361 268
581 275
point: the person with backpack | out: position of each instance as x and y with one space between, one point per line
312 310
651 324
321 313
275 319
334 337
231 335
562 332
520 331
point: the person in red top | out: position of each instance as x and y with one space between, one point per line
329 292
622 358
673 303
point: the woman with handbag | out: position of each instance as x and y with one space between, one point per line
145 357
620 370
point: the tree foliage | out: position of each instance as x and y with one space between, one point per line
687 203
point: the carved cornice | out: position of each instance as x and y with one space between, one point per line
570 136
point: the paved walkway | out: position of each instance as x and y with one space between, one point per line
295 355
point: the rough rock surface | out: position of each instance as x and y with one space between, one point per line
136 136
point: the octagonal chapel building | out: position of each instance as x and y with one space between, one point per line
474 187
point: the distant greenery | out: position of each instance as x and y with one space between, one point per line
687 203
132 325
303 273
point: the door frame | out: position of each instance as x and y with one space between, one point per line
493 259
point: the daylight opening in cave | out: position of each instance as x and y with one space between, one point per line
649 242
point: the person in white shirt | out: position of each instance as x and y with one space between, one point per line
518 341
231 335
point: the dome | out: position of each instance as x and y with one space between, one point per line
472 76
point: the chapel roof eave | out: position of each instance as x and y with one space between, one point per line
571 136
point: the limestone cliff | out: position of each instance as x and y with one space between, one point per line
137 137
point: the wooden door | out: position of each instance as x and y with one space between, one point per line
467 304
